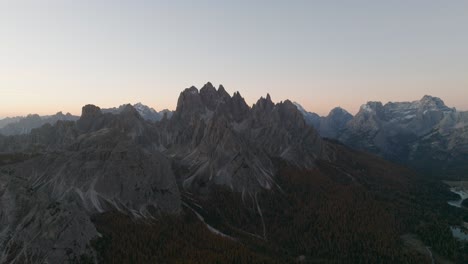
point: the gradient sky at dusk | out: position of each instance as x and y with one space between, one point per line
63 54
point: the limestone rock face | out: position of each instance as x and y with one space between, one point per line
100 163
54 178
220 140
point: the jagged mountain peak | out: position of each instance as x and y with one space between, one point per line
289 104
212 98
129 109
90 110
90 115
237 94
300 107
143 106
208 90
208 101
209 85
289 113
371 106
33 116
222 92
207 125
264 103
432 103
238 99
338 111
144 109
221 89
189 101
427 97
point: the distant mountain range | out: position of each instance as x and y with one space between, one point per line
329 126
8 120
145 112
425 134
23 125
221 182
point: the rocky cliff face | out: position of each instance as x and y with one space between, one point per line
103 162
220 140
54 178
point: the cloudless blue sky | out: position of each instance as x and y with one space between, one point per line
61 54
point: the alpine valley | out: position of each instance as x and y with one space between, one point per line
218 181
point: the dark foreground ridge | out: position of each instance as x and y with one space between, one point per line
218 181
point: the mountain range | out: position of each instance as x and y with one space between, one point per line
23 125
145 112
218 181
424 134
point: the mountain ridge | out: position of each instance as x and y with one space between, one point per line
415 133
231 168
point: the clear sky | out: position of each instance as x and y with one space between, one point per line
62 54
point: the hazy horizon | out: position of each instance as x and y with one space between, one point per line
63 55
